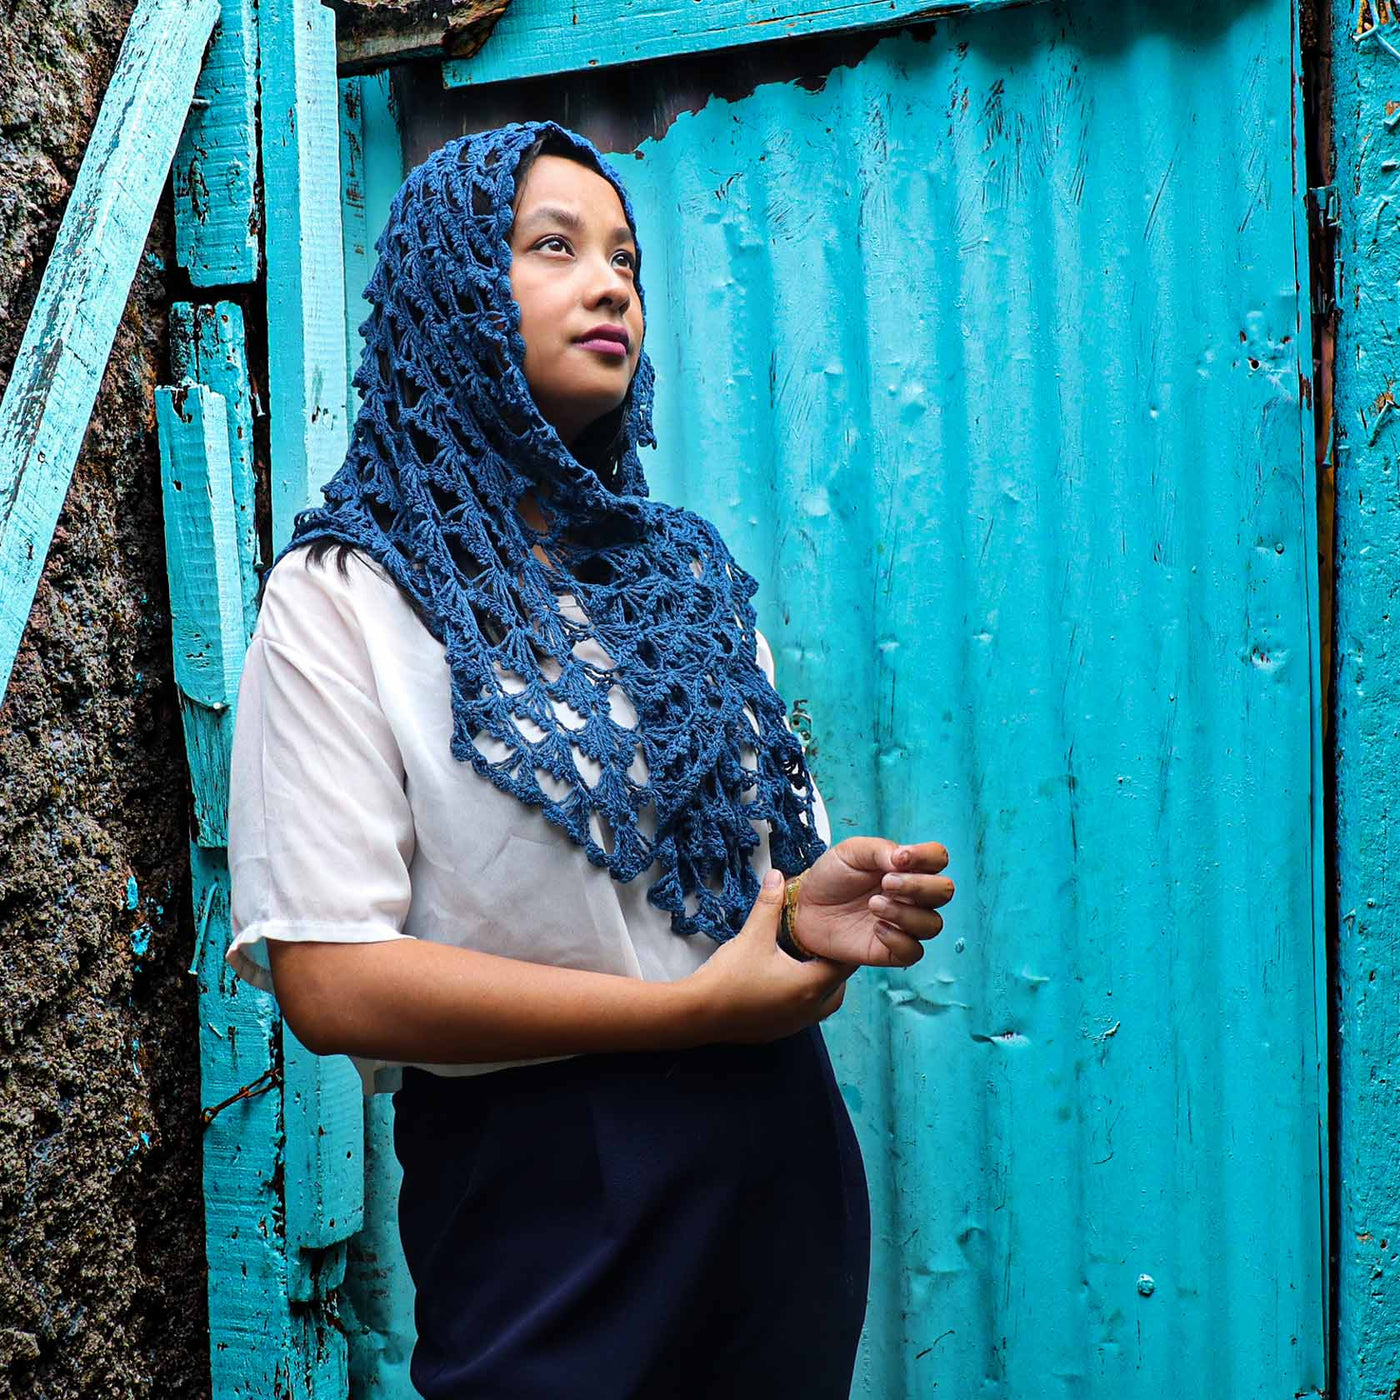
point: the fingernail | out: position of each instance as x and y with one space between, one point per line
879 903
901 855
894 882
772 880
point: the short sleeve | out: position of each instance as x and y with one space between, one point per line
819 816
320 832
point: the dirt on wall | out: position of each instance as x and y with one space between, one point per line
102 1282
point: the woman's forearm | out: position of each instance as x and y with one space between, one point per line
431 1003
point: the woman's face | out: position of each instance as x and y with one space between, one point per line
572 265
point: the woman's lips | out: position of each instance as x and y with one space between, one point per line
615 348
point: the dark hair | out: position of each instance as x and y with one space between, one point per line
550 144
316 553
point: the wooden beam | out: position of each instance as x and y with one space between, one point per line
206 604
376 1299
216 164
539 37
254 1339
207 346
305 276
323 1103
372 34
52 387
371 171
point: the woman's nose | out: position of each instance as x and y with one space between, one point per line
615 287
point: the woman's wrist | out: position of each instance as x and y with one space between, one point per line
788 939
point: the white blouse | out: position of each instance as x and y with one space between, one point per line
350 821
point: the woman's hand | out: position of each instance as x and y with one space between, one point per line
861 903
749 990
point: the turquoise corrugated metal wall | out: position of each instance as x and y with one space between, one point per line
990 356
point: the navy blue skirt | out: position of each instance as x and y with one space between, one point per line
648 1226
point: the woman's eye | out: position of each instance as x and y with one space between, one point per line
553 238
631 261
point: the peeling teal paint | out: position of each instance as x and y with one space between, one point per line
53 383
323 1112
131 892
214 173
376 1305
531 39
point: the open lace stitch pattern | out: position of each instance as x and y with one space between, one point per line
446 440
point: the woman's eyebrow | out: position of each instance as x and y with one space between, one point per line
556 213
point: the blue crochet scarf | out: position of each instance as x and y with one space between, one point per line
447 440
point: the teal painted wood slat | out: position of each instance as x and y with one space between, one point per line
377 1297
207 345
53 384
538 37
305 277
1366 425
206 603
306 389
253 1341
214 175
371 170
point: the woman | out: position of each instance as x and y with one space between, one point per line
511 792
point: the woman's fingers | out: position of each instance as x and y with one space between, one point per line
926 856
903 950
917 922
931 891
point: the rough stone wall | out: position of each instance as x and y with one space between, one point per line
102 1282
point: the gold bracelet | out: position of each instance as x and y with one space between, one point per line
790 917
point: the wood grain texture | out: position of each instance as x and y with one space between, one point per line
371 34
214 175
49 397
305 278
323 1099
253 1340
377 1299
207 345
206 605
538 37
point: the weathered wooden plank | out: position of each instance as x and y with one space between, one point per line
305 279
323 1100
371 170
536 37
253 1338
376 1306
216 163
49 397
376 1300
371 34
206 605
207 346
325 1167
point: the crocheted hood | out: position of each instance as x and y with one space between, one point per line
447 439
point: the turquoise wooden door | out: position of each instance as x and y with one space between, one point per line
987 346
